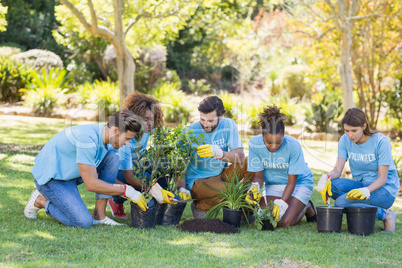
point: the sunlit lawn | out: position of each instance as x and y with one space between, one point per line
45 242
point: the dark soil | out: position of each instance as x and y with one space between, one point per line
213 226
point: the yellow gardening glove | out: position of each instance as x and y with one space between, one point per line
324 187
280 207
361 194
184 193
136 197
210 151
161 195
254 196
275 213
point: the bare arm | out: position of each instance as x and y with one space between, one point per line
93 184
129 176
382 179
259 177
236 156
337 171
290 187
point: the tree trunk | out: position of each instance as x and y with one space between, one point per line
345 70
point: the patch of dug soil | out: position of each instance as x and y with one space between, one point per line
213 226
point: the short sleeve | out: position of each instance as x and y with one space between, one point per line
254 161
297 165
342 147
234 137
126 162
384 154
86 149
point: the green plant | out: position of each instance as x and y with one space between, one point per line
397 155
264 214
231 104
13 77
252 112
101 95
393 99
324 113
233 197
175 106
288 105
170 152
293 81
198 87
42 93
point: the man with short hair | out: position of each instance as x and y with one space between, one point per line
223 146
76 155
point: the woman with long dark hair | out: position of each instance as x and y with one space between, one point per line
375 181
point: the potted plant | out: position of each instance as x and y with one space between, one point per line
231 201
166 161
263 217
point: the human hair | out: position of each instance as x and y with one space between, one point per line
356 118
210 104
139 103
271 120
125 120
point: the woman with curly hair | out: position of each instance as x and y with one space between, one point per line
277 159
148 108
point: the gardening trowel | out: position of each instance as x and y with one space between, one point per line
181 200
329 201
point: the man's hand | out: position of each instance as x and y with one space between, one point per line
280 207
210 151
184 193
361 194
161 195
134 196
324 187
254 196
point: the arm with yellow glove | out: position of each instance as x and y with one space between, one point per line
254 196
135 196
280 207
210 151
360 193
324 187
161 195
184 193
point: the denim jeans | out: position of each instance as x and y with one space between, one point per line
120 176
64 201
381 198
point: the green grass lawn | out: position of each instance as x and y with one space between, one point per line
45 242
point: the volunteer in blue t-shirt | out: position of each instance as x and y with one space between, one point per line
277 159
149 110
375 181
77 155
222 146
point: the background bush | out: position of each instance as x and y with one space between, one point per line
13 77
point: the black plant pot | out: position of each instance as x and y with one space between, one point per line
361 220
267 226
232 217
329 219
143 219
168 214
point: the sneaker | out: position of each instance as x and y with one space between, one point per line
314 217
116 209
197 214
30 210
107 221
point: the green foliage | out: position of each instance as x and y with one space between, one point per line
39 58
233 197
264 214
175 106
253 112
393 98
324 113
101 95
13 77
44 90
293 81
397 155
3 21
289 106
199 87
168 156
232 105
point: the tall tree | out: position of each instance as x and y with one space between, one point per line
116 27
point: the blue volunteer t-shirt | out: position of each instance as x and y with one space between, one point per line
365 158
128 153
58 159
225 136
288 159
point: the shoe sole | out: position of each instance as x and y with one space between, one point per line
111 210
26 213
